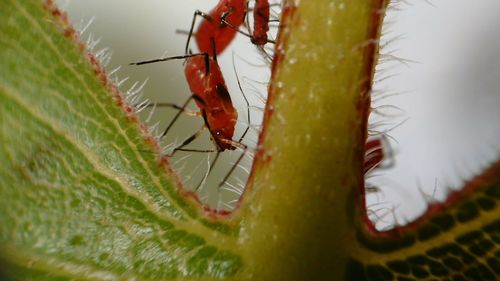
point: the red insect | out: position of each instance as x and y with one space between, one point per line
210 94
205 79
223 21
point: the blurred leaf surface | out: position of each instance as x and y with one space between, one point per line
79 199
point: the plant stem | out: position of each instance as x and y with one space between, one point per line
309 163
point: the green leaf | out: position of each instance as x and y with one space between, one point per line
80 197
459 237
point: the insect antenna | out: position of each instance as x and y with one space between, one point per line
181 110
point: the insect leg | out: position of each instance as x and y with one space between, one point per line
187 141
196 14
246 101
182 109
208 172
174 106
238 145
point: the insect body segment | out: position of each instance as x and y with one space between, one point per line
221 24
210 94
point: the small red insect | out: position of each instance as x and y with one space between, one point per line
260 22
223 21
205 79
210 94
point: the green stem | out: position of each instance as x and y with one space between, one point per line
296 210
